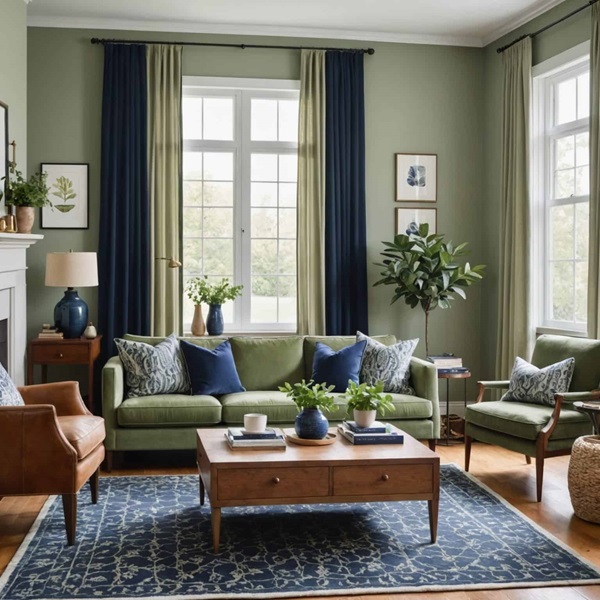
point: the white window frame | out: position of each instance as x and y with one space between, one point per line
242 91
546 76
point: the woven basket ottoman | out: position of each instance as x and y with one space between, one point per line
584 478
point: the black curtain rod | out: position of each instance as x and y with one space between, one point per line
549 26
241 46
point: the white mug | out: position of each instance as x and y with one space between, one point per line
255 422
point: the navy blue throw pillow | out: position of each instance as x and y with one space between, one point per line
336 368
211 372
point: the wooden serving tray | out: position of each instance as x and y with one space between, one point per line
290 436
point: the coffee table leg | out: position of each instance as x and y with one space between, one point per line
433 517
201 490
215 515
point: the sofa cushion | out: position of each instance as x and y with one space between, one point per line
211 372
9 394
153 369
526 420
335 342
267 363
204 342
276 405
408 406
169 410
84 432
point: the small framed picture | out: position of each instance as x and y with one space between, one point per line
409 219
3 150
416 178
69 194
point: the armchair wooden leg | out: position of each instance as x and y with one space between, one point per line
70 509
109 461
94 485
468 441
539 472
528 459
431 445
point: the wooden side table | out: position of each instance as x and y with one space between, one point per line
448 376
78 351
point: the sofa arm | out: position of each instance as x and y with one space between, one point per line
113 394
423 376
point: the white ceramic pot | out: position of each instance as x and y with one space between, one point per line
364 418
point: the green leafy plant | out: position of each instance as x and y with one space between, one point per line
367 397
63 189
309 395
26 192
424 271
200 291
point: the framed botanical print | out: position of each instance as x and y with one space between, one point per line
69 194
416 178
409 219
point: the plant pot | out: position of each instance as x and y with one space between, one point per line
364 418
214 320
198 326
311 424
25 218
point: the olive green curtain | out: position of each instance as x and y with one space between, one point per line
593 308
164 162
311 194
514 318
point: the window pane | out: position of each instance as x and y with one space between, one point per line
192 118
288 120
218 222
264 194
218 194
264 300
192 256
287 223
561 236
288 167
264 167
192 193
264 222
581 278
287 194
287 300
562 291
218 166
582 181
564 183
582 149
566 101
192 220
263 120
583 96
192 165
218 257
582 232
564 153
218 118
287 257
264 257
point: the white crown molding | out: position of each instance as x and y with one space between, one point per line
255 30
521 20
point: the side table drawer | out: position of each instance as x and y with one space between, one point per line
382 479
273 482
57 354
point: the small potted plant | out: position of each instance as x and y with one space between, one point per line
200 291
366 400
26 195
310 398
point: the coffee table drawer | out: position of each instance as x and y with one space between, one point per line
382 479
284 482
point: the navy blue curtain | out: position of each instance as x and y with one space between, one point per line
124 243
346 309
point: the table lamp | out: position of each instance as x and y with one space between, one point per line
71 270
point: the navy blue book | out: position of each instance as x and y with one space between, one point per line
362 439
239 433
376 427
448 370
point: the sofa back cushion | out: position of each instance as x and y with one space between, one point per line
335 342
267 363
210 343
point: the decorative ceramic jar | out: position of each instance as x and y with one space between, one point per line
90 332
198 326
311 424
25 218
214 320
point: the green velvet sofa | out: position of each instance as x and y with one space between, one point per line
169 422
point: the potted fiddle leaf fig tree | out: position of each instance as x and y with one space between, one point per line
366 400
424 271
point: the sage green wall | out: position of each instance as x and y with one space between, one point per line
13 73
426 99
548 44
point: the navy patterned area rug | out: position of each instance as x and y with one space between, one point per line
149 538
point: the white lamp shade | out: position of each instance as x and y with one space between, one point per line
71 269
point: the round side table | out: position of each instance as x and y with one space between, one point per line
446 440
592 410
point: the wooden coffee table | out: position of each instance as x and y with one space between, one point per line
337 473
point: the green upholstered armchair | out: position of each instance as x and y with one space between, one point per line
534 429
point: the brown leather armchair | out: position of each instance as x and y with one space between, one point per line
52 445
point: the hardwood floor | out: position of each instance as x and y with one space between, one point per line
504 472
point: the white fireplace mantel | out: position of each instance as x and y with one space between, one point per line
13 297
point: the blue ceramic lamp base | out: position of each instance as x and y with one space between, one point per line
71 315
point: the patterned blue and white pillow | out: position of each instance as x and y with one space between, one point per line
152 370
538 386
9 394
390 364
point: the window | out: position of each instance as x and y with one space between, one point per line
239 196
560 186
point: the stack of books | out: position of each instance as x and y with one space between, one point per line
50 333
239 439
377 433
447 363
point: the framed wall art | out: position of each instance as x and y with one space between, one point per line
69 194
411 218
416 178
3 149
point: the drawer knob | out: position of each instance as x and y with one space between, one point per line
276 480
60 355
385 477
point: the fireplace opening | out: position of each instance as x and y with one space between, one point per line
4 343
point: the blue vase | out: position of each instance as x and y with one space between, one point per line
71 315
214 320
311 424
